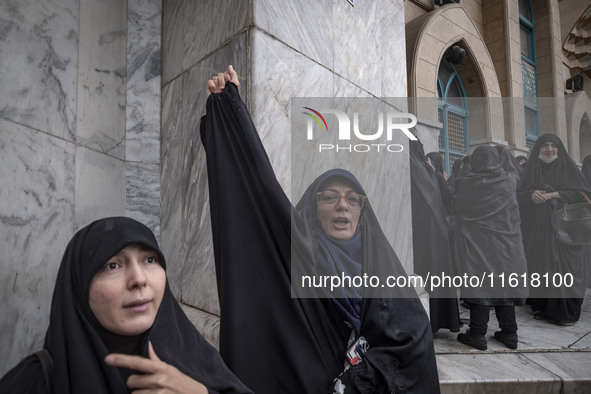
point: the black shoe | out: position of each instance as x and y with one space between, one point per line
475 341
509 340
541 315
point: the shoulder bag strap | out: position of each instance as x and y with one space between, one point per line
586 197
47 364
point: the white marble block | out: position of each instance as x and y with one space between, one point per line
38 60
36 222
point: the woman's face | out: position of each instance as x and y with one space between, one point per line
338 221
126 292
548 149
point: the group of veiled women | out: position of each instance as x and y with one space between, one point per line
498 215
115 326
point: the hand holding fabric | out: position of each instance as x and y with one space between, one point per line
217 83
156 374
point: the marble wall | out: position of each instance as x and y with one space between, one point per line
142 108
79 140
280 50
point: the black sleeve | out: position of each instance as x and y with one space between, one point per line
250 213
251 229
27 377
524 198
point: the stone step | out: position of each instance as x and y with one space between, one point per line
549 358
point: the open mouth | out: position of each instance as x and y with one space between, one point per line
341 222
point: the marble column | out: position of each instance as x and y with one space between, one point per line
281 50
79 140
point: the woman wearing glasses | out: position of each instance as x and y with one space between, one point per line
342 340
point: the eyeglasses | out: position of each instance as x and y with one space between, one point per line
331 199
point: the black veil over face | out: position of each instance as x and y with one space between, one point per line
76 340
488 237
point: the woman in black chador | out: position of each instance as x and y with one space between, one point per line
551 178
115 326
277 343
488 243
431 238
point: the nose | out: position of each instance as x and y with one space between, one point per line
342 203
136 277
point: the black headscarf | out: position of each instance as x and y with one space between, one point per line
341 256
78 343
488 236
436 161
261 243
562 174
509 163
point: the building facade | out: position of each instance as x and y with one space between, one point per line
100 109
520 68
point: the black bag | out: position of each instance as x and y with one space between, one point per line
573 223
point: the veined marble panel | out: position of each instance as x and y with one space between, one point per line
208 24
583 343
101 76
543 335
171 177
199 282
100 186
392 46
207 324
369 46
173 12
36 222
143 194
280 73
306 26
344 88
572 367
143 81
38 60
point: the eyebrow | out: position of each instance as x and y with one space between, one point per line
336 191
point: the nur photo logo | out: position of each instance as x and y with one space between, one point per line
388 123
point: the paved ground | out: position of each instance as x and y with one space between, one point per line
549 358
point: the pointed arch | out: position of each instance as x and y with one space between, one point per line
578 118
427 39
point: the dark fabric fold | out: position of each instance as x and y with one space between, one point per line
261 243
431 240
488 237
